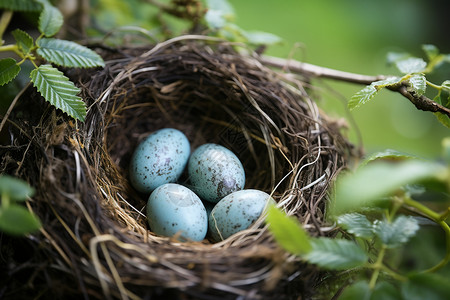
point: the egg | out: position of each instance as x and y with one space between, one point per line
174 209
160 158
214 172
237 212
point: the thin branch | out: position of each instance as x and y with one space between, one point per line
420 102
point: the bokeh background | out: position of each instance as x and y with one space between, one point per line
355 36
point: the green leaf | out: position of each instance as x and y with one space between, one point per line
388 154
336 254
411 65
426 286
68 54
431 51
287 231
357 291
50 20
24 41
16 189
17 220
367 93
365 187
20 5
362 97
393 57
418 83
59 91
356 224
219 13
446 86
394 234
8 70
444 119
386 291
261 38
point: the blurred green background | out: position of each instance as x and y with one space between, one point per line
355 36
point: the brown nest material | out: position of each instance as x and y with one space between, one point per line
95 241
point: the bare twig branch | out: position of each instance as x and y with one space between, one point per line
420 102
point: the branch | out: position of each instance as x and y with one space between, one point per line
420 102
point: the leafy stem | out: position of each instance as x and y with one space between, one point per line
440 220
12 48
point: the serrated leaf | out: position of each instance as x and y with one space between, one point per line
335 254
356 224
418 83
261 38
20 5
8 70
411 65
68 54
367 93
16 189
59 91
395 234
288 232
431 51
17 220
426 286
372 183
50 20
362 97
24 41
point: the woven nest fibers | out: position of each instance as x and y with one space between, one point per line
95 241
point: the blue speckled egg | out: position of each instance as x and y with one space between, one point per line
173 208
160 158
237 212
215 172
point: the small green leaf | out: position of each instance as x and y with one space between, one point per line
219 13
362 97
17 220
367 93
24 41
388 154
50 20
395 234
411 65
16 189
20 5
261 38
68 54
444 119
59 91
8 70
287 231
356 224
418 83
366 186
446 86
431 51
426 286
393 57
357 291
336 254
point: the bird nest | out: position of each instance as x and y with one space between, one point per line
95 241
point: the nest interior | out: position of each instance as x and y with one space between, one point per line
95 241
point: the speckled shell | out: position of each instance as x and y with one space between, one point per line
173 208
160 158
237 212
214 172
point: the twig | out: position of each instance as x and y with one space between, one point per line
420 102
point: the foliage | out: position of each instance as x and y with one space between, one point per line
414 70
57 89
366 207
14 218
